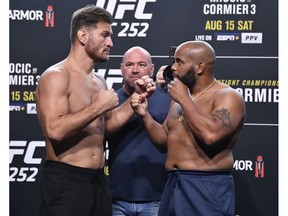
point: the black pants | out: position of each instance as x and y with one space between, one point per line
67 190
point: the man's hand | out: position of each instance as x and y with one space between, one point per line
160 81
139 104
108 98
177 90
145 86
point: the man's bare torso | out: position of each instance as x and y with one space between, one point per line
184 151
84 148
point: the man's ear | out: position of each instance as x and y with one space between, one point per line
82 35
121 67
151 73
199 68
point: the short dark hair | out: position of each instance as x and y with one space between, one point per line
88 16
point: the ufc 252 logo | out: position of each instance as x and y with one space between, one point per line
24 153
118 9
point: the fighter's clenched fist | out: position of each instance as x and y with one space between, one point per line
108 98
139 104
145 86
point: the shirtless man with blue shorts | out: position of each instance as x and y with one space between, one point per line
199 133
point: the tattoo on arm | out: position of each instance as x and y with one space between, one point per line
224 115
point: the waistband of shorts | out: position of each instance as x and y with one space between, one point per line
200 172
68 167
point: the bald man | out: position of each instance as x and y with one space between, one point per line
136 167
199 134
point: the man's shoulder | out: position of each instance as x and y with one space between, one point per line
227 90
228 93
54 71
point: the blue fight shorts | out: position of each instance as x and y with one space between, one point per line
198 193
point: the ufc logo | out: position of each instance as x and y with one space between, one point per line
23 148
126 5
112 76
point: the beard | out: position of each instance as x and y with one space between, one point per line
95 53
188 78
